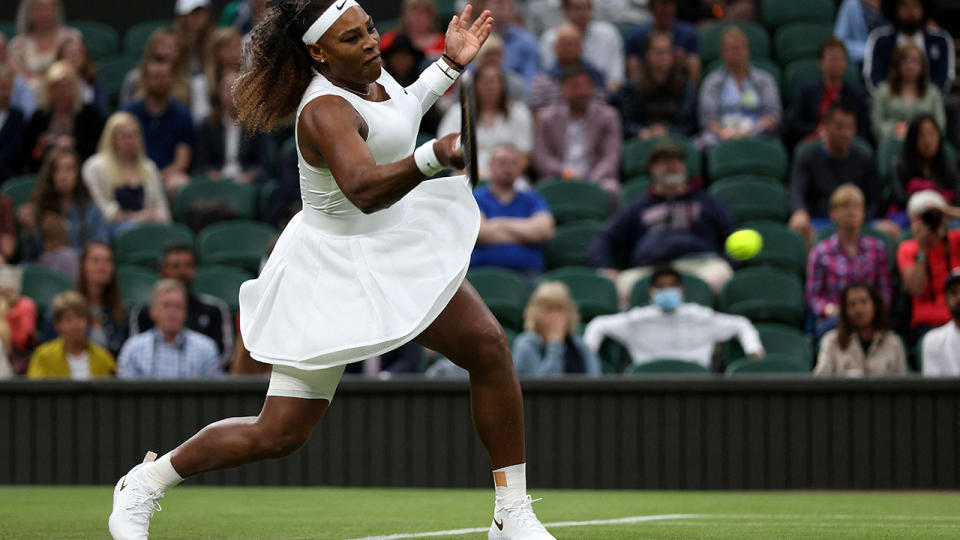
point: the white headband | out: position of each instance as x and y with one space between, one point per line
326 20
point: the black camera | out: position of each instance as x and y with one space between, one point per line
932 218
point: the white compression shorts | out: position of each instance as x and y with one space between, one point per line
286 381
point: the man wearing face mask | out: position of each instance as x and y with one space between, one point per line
910 20
672 328
676 223
941 346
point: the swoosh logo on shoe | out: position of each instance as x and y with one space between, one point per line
123 484
341 5
499 524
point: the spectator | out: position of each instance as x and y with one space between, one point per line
602 44
93 92
863 319
671 328
40 31
819 169
810 106
519 46
169 350
737 100
581 138
848 256
223 150
678 222
541 15
549 344
905 94
491 53
62 121
123 182
224 54
6 368
71 355
923 164
516 224
418 22
498 118
166 125
941 346
909 25
927 259
21 317
569 48
60 191
194 27
98 284
162 46
22 94
855 20
12 126
623 12
57 254
205 314
684 40
661 100
403 60
8 230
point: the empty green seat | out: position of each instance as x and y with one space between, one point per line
136 284
782 248
101 39
504 291
636 152
19 188
886 151
794 41
9 28
113 70
572 200
764 294
240 243
695 290
711 35
772 364
779 12
570 244
41 285
144 243
136 37
265 199
668 366
759 155
778 341
222 282
594 294
239 197
749 198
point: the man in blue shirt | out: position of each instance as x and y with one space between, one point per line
166 123
516 224
686 40
520 54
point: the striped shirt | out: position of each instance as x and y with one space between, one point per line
191 355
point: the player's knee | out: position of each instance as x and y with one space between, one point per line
491 348
278 443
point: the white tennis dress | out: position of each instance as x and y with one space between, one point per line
342 286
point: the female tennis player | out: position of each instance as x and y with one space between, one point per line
376 259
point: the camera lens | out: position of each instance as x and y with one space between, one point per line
932 218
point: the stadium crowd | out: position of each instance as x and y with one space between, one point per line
620 144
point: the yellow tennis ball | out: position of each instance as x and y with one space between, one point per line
744 244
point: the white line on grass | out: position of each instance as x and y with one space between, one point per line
455 532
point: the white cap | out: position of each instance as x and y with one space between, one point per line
186 6
922 201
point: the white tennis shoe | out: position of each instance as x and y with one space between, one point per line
517 521
134 502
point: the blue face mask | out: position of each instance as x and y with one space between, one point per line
669 299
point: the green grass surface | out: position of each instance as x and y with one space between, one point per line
202 512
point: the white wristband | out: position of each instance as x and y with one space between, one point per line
426 159
439 77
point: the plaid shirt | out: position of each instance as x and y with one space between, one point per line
192 355
830 269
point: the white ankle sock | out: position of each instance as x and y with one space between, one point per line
510 483
161 474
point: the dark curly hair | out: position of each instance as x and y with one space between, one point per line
279 68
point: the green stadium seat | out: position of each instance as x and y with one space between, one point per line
637 151
694 290
765 295
239 197
779 12
8 28
19 188
594 294
665 366
778 341
240 243
222 282
711 35
102 40
504 291
749 197
772 364
572 200
782 248
759 155
136 37
385 25
570 244
41 285
136 284
759 62
265 199
633 189
144 244
794 41
113 70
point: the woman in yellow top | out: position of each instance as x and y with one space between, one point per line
71 355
